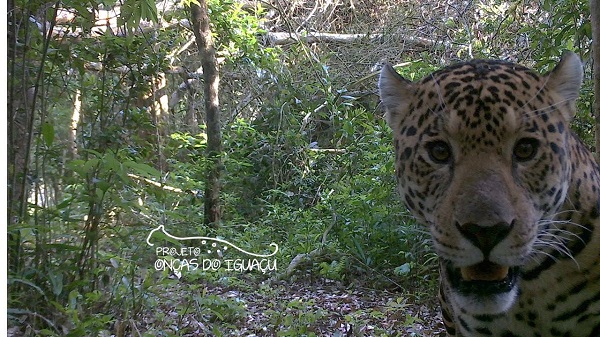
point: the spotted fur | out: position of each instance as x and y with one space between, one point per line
485 158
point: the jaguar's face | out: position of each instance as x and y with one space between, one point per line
481 158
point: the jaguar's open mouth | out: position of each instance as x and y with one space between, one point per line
484 278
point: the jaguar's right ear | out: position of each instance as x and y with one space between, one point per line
395 93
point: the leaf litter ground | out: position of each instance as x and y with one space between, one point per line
242 306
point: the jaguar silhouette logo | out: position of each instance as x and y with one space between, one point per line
191 258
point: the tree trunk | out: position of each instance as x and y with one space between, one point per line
201 24
75 119
595 21
22 89
160 115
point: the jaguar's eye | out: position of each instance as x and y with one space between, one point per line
525 149
439 151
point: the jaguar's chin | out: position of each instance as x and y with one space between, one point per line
486 287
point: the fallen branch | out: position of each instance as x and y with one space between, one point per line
64 31
155 183
281 38
302 259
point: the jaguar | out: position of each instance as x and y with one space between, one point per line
486 159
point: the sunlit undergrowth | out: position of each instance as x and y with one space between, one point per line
116 174
332 196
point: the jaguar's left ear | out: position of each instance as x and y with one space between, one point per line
565 80
395 93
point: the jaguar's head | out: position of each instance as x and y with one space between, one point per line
482 159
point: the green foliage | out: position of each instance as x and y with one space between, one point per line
567 29
309 166
237 33
505 30
216 308
295 318
134 11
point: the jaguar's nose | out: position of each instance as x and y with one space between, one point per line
485 237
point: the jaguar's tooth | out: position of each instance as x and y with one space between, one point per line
484 271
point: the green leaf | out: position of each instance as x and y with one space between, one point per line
99 194
63 246
88 166
94 152
77 165
103 186
48 133
142 169
150 11
402 270
132 12
28 283
57 283
65 203
111 162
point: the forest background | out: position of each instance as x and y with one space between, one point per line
116 142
